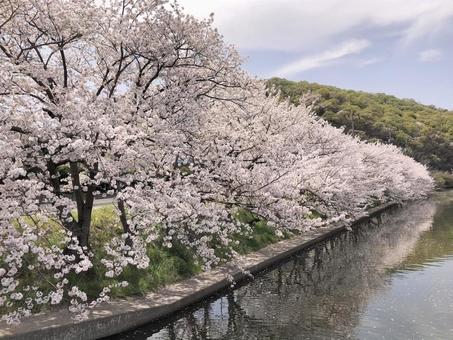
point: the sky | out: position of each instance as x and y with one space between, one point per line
399 47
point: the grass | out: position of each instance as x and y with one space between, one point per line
167 265
260 236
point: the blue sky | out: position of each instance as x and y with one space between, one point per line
400 47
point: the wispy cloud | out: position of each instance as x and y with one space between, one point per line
299 25
428 56
323 59
370 61
435 19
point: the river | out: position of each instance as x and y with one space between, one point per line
391 278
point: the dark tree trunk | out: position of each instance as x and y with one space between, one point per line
85 221
81 228
124 223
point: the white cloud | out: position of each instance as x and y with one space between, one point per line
370 61
431 55
433 21
323 59
294 25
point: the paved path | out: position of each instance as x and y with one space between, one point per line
102 202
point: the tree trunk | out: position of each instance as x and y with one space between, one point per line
124 223
81 229
85 221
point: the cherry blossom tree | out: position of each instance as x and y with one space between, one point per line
293 163
137 100
114 93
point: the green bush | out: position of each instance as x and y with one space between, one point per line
443 179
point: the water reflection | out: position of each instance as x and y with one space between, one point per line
389 278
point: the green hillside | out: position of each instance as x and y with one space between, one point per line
424 132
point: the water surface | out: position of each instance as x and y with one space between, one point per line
392 278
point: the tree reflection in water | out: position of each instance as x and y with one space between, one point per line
319 293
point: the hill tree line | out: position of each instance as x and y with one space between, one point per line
423 132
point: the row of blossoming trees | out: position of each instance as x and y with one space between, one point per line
137 100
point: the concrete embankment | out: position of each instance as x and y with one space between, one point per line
122 315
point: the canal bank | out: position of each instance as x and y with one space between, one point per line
122 315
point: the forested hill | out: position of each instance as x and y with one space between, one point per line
424 132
